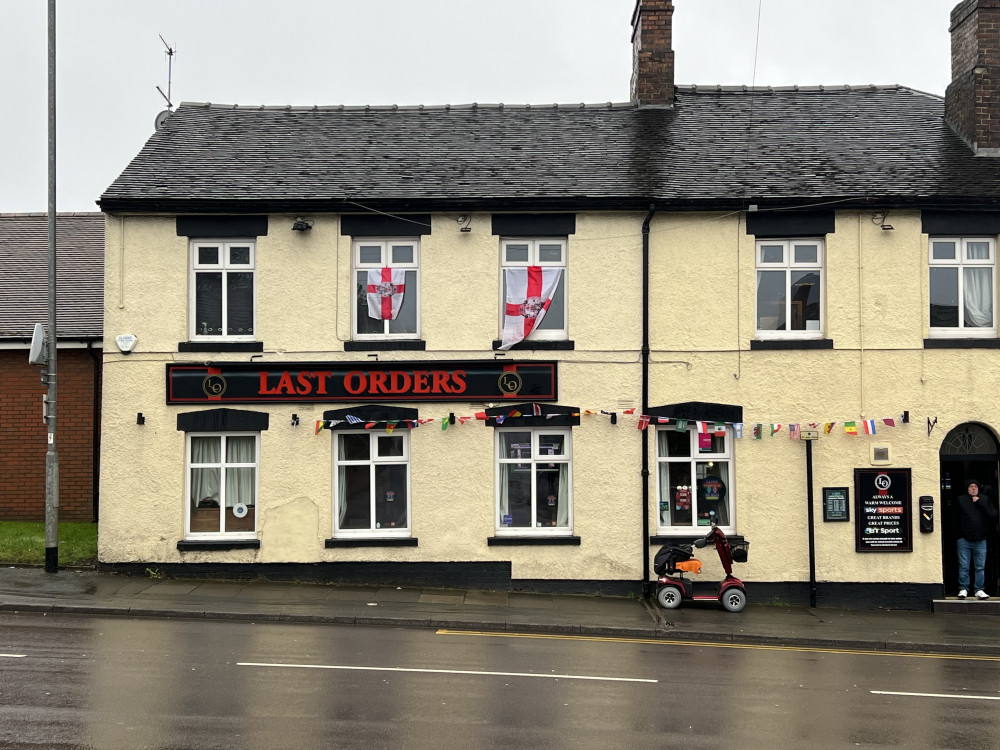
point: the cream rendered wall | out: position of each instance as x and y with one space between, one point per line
876 315
304 295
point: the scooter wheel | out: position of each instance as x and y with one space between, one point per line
734 599
669 597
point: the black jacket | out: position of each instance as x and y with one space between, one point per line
975 519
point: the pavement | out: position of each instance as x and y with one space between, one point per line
953 628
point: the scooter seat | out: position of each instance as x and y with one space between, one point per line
689 566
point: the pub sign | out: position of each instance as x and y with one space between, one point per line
883 510
369 382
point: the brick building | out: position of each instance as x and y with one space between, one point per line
24 302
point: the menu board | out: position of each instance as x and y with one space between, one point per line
883 510
835 504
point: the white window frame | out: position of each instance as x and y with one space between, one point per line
788 265
357 266
536 459
961 263
224 267
223 466
534 243
664 494
372 462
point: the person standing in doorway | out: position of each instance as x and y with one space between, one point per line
976 516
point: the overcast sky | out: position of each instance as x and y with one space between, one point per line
110 61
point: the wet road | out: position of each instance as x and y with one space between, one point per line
105 683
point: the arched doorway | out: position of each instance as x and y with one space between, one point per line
970 451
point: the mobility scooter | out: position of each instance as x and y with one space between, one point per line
674 560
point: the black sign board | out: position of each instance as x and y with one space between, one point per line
836 504
368 382
883 510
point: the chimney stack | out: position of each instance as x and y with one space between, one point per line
972 101
653 54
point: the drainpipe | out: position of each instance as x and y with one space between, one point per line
646 584
95 435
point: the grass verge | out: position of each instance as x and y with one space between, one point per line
23 543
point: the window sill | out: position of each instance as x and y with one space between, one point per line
514 541
551 346
412 345
970 343
403 541
220 346
780 344
688 539
187 545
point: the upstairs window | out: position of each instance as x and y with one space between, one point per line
962 282
222 290
533 290
386 288
789 289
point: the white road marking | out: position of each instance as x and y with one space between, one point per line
13 656
939 695
447 671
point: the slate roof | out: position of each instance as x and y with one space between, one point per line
24 275
716 148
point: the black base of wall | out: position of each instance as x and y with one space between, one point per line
909 596
496 576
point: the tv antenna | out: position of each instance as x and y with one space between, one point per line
171 51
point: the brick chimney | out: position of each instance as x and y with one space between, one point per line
972 100
652 53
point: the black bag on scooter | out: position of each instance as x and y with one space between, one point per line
669 555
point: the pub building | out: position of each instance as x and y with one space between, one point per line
522 347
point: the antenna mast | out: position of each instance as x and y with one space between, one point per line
171 51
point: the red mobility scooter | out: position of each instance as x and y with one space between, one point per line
674 560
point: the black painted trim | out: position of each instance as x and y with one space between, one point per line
532 541
222 226
568 416
372 413
790 223
529 345
223 420
534 225
220 346
482 575
961 343
187 545
409 541
403 345
960 223
378 225
783 344
701 411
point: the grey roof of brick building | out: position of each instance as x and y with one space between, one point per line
24 275
721 147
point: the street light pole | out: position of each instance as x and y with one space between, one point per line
52 455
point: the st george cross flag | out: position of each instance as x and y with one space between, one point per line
385 292
869 425
529 294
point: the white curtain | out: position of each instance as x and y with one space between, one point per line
504 491
978 297
341 484
562 516
205 482
240 480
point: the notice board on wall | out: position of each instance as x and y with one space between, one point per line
883 510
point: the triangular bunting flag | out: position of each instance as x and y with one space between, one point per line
828 427
536 410
629 411
889 422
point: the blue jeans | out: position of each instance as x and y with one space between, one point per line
977 551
